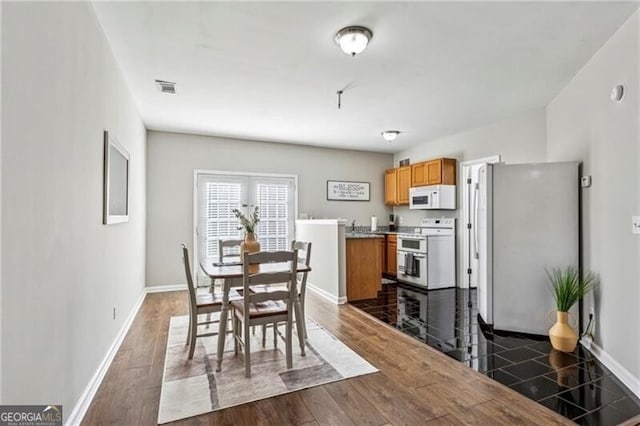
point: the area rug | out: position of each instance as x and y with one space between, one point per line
190 388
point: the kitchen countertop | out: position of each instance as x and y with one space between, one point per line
353 235
377 234
365 230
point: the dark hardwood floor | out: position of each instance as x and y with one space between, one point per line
416 384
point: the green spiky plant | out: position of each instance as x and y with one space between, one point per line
248 224
567 286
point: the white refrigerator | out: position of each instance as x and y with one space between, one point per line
526 219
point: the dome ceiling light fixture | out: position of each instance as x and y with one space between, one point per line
390 135
353 40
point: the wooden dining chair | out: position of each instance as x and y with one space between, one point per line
265 307
228 249
200 304
304 257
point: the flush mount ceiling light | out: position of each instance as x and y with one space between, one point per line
353 40
390 135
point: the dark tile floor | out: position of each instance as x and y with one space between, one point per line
575 385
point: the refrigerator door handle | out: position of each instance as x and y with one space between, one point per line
476 194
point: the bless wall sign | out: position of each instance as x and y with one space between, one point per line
347 191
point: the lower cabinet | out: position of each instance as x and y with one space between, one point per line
364 268
383 254
391 264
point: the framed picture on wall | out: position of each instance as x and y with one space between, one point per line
348 191
116 182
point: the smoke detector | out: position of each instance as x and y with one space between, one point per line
617 93
166 86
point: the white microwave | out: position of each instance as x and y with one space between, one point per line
442 197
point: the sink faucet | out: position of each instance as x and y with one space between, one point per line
353 226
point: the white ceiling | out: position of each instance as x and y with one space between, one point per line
270 71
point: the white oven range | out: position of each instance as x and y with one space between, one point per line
428 258
412 259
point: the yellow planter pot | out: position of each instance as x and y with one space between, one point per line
563 337
564 367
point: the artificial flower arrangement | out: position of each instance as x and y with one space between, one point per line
248 224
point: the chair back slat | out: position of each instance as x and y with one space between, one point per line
269 278
269 257
270 295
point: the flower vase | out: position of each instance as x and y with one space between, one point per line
562 336
251 245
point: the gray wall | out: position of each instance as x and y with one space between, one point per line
64 271
518 139
173 157
583 124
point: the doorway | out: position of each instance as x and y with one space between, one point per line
469 171
217 194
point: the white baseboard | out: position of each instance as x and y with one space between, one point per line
632 382
325 294
81 407
162 288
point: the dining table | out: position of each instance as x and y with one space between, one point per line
231 274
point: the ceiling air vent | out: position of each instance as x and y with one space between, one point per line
166 86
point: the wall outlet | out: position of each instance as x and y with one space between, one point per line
635 224
400 220
115 310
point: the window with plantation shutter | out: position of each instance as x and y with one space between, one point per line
275 229
218 194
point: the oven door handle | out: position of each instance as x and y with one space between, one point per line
419 256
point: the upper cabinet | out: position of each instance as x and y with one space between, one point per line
391 187
419 174
396 186
404 183
441 171
397 182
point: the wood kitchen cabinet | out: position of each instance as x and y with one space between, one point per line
419 174
383 254
396 186
404 183
391 264
391 187
397 182
441 171
363 268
